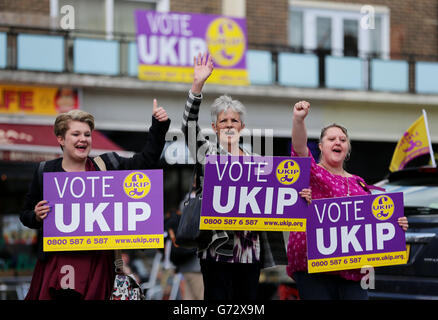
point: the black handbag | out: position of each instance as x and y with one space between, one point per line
188 234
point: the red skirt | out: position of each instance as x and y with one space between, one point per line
89 273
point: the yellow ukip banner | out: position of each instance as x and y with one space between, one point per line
31 100
414 143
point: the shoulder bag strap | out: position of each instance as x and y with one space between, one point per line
100 163
198 174
40 173
118 261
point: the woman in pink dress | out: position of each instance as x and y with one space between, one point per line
328 179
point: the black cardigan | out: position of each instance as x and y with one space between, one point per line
146 159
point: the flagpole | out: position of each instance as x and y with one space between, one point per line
432 156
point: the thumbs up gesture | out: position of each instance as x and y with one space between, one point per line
159 113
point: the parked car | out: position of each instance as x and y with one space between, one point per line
418 279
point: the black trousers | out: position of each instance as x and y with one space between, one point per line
230 281
320 286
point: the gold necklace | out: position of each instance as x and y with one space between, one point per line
348 187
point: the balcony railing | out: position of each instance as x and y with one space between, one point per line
97 53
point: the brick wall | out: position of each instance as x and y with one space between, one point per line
25 12
267 21
28 6
196 6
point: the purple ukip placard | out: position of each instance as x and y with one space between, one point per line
254 193
103 210
352 232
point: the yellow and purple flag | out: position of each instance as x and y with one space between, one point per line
414 143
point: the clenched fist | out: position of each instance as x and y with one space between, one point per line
301 109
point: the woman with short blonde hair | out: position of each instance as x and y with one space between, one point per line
62 121
94 271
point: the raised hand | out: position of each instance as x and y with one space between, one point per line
301 109
203 67
158 112
299 132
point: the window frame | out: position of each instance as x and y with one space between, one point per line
161 6
338 12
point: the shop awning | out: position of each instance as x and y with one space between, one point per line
33 143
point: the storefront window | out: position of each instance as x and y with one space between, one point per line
17 244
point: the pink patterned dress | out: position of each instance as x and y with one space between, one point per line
324 185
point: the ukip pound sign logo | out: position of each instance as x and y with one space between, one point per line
137 185
383 207
288 172
226 42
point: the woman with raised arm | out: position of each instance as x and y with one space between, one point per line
231 260
82 275
328 179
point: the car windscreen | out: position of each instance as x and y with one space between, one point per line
416 196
